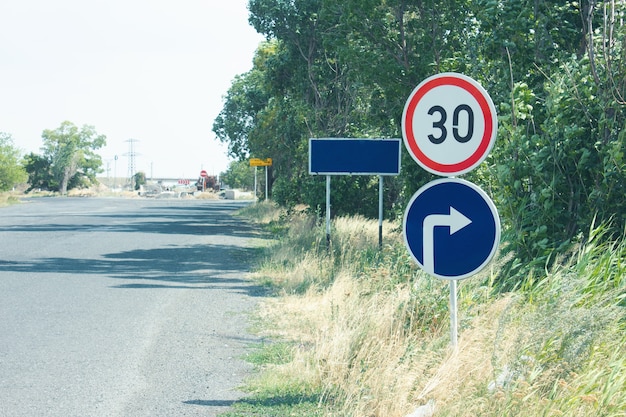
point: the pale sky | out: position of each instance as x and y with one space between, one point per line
154 71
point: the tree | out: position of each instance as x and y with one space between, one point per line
39 172
344 68
298 88
238 175
139 179
560 147
245 98
11 171
70 151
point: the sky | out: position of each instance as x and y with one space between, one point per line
151 73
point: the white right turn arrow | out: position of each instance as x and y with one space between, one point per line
455 221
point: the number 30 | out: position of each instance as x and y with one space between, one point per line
440 124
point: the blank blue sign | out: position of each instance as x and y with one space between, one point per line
332 156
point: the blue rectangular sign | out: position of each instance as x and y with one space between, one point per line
340 156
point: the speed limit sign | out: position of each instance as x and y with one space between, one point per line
449 124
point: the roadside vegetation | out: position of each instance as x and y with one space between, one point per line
363 331
7 199
344 69
357 331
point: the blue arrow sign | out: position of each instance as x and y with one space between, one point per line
451 228
341 156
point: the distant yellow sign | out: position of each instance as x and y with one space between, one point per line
256 162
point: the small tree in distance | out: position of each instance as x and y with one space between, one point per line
69 152
139 179
238 175
11 171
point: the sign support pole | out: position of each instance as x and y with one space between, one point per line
380 212
266 169
255 193
474 120
328 210
453 314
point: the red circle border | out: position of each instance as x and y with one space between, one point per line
483 148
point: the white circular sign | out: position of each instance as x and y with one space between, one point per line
449 124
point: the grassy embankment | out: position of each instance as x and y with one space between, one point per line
360 332
8 198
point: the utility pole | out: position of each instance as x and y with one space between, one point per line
131 162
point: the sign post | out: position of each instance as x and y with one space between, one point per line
343 156
328 211
257 162
451 226
380 212
203 177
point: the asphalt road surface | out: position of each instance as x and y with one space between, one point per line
123 307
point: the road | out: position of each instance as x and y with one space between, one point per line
123 307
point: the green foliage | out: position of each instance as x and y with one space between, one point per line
564 168
39 173
139 179
7 199
244 99
287 402
69 159
11 171
574 328
239 175
275 394
274 353
71 152
345 68
366 333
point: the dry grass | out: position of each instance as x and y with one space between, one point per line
371 333
264 212
209 195
8 198
93 191
343 323
364 354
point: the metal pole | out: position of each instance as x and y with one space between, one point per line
255 194
453 314
328 210
380 212
266 169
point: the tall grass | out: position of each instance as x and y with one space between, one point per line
8 199
369 332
